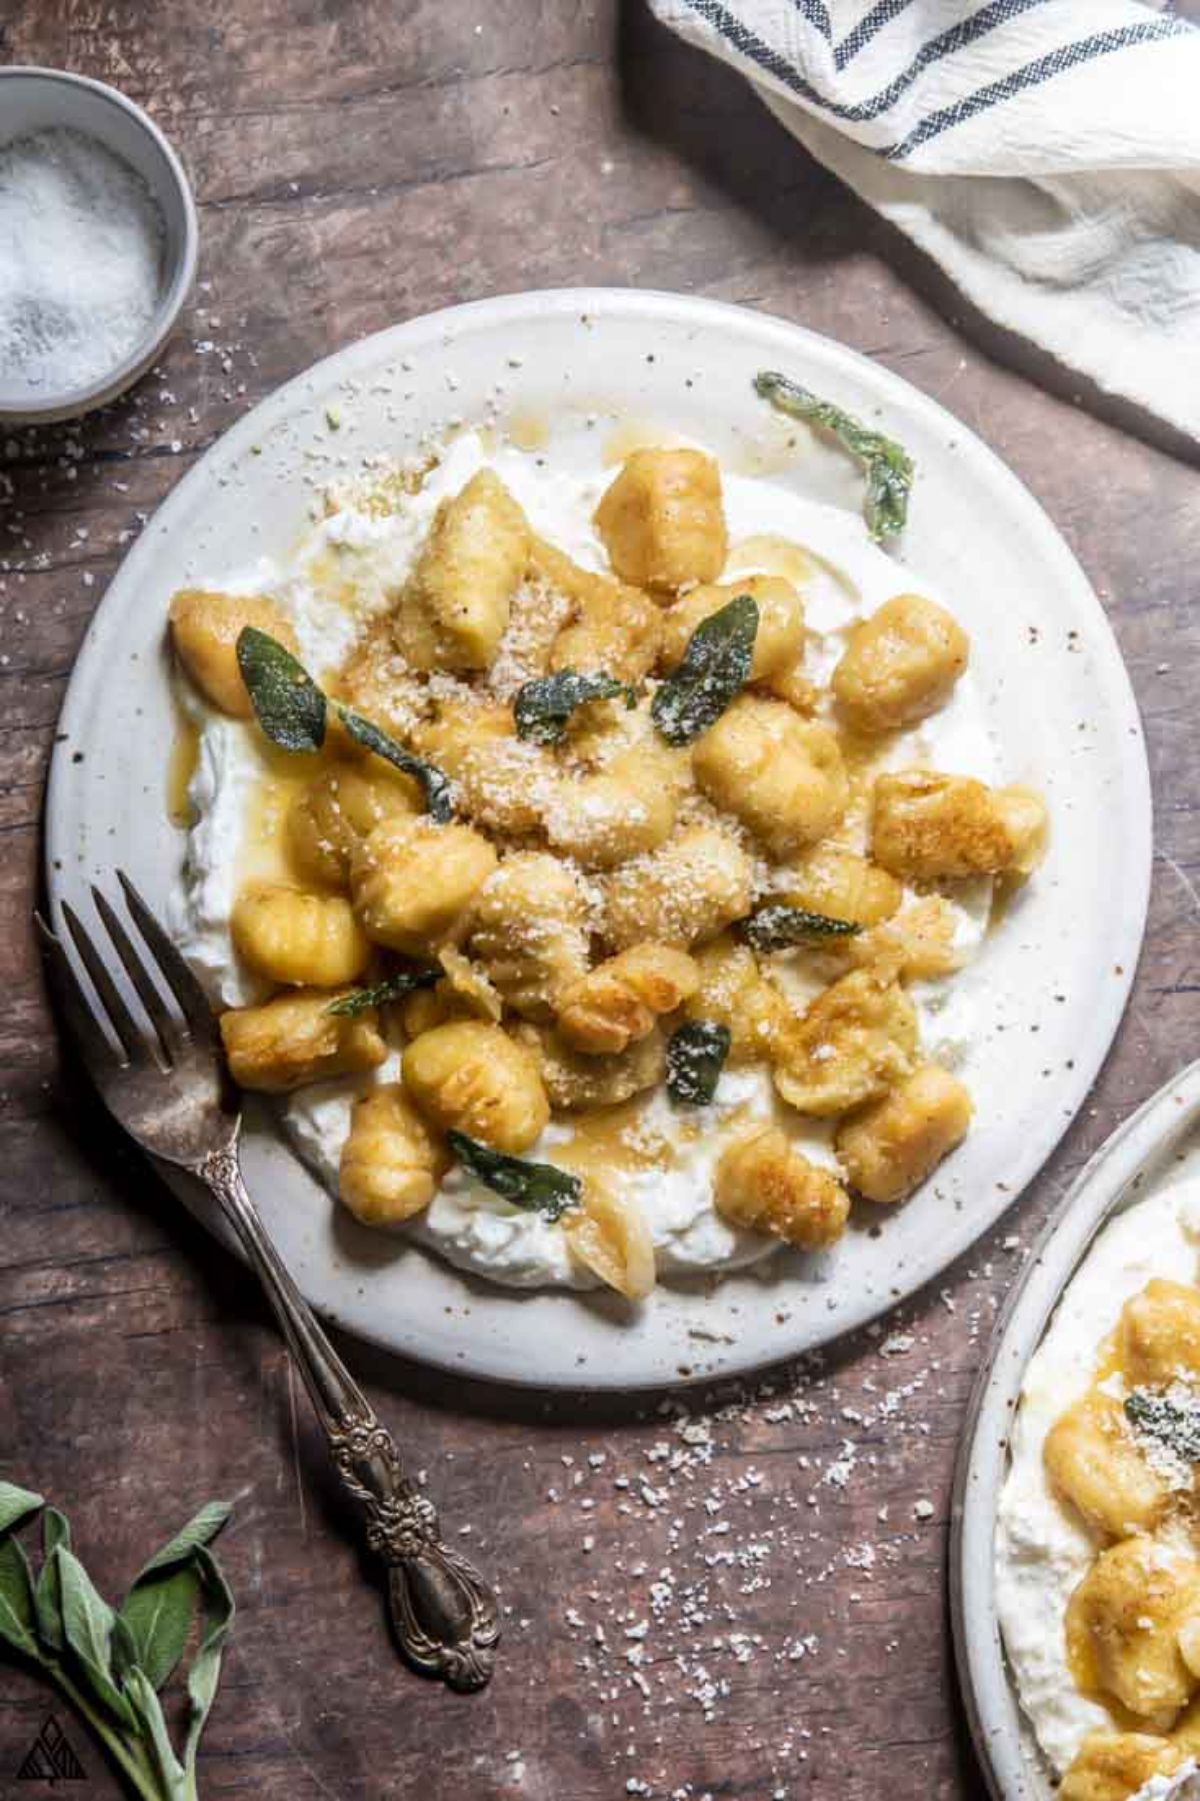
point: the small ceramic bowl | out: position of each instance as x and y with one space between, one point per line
40 99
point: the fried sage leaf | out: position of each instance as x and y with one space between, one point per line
887 465
696 1053
392 988
714 669
434 785
538 1187
287 702
543 707
1171 1418
779 928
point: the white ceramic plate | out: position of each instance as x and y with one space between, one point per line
1052 980
1163 1135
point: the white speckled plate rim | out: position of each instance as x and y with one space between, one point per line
1120 1175
1053 979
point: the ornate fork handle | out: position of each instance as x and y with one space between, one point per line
444 1614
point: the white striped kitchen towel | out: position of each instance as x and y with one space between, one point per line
1045 152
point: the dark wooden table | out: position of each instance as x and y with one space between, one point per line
744 1603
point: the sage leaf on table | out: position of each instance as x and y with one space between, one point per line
391 988
109 1665
712 672
538 1187
293 712
888 468
543 707
779 928
696 1053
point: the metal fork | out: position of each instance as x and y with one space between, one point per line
166 1082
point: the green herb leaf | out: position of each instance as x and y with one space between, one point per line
205 1672
778 928
87 1627
434 785
538 1187
543 708
696 1053
714 669
15 1503
16 1599
888 467
148 1709
47 1594
287 702
157 1613
392 988
201 1529
1174 1420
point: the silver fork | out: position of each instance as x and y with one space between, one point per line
165 1081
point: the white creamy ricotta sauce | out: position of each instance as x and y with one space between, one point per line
345 572
1043 1551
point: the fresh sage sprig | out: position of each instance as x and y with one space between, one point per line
543 707
714 669
779 928
110 1664
1173 1421
392 988
293 711
696 1053
887 465
538 1187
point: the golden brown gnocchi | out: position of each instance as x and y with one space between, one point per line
1111 1766
413 882
500 783
474 1078
528 929
840 884
890 1148
699 882
295 1039
734 993
578 1079
1094 1462
205 627
857 1038
928 827
662 520
1159 1334
340 807
455 605
622 999
763 1184
622 811
1123 1624
391 1162
611 626
779 640
298 937
900 665
781 775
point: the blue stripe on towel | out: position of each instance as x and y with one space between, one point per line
869 27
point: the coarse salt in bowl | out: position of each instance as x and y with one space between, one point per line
98 243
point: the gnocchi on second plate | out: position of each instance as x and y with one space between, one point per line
659 863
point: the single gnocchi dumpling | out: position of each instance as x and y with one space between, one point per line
779 640
295 1039
578 1079
839 884
735 993
455 605
1123 1623
920 943
900 665
205 628
472 1077
626 809
890 1148
622 999
662 520
608 1233
928 827
1158 1337
698 883
765 1185
611 627
857 1038
529 930
781 775
501 783
298 937
1112 1766
391 1162
1093 1461
328 820
413 882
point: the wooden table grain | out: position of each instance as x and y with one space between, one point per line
744 1602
